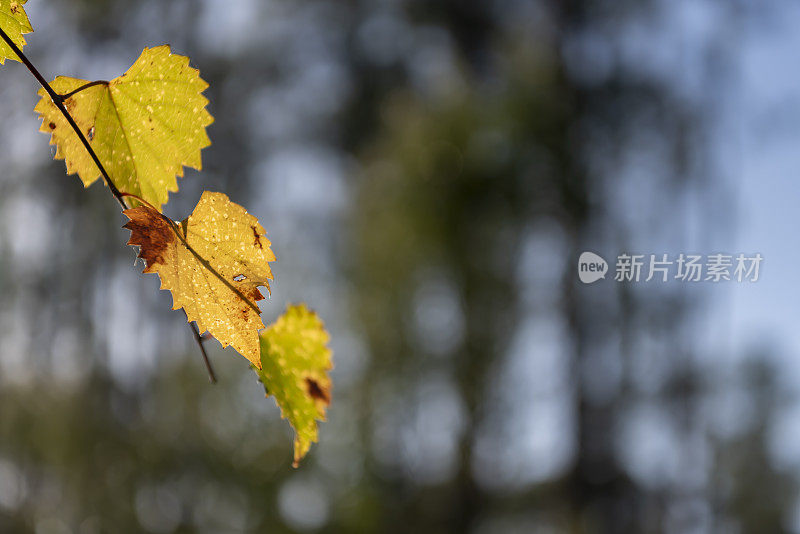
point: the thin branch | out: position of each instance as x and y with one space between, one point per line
59 103
82 87
211 376
58 100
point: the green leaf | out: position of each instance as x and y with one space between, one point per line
14 22
295 361
144 126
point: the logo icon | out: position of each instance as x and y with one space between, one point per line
591 267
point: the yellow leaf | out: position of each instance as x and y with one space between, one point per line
145 126
295 361
213 263
14 22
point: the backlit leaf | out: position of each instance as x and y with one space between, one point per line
145 126
213 263
15 23
295 361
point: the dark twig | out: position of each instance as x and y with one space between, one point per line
58 100
211 376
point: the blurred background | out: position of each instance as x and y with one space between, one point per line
428 172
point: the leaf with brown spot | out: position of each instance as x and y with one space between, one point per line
295 361
199 261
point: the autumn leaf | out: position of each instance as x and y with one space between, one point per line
295 361
15 23
213 263
145 126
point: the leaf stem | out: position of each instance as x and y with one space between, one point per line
82 87
146 203
58 100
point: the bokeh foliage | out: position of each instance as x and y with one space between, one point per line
429 170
